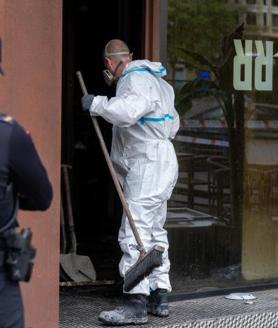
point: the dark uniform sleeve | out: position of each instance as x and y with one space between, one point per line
28 173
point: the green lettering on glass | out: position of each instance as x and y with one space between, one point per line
242 59
263 62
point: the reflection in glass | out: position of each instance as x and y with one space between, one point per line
228 170
275 20
251 18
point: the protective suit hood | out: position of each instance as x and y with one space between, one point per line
155 68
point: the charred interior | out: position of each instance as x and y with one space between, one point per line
88 26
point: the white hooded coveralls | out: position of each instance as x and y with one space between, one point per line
144 120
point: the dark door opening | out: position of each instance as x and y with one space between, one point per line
87 26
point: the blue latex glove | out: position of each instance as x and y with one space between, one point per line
86 102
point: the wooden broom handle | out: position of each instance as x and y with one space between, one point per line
112 170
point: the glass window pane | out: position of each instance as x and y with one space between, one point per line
265 20
275 20
251 18
222 214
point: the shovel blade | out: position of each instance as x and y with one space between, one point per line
78 267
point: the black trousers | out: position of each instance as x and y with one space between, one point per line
11 307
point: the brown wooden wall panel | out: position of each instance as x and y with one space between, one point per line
152 30
155 30
30 90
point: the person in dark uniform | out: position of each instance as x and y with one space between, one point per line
21 167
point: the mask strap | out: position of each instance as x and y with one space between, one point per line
117 67
108 54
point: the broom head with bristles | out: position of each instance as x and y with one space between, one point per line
143 267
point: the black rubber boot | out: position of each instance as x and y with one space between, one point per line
133 311
158 303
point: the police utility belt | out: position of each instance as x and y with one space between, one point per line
16 252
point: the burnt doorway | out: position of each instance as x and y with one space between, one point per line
87 26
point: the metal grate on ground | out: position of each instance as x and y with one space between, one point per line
80 310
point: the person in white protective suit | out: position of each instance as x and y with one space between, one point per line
144 122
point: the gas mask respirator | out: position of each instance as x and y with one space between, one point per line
108 76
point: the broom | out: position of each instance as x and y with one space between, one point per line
147 261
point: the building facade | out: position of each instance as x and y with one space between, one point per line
221 60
